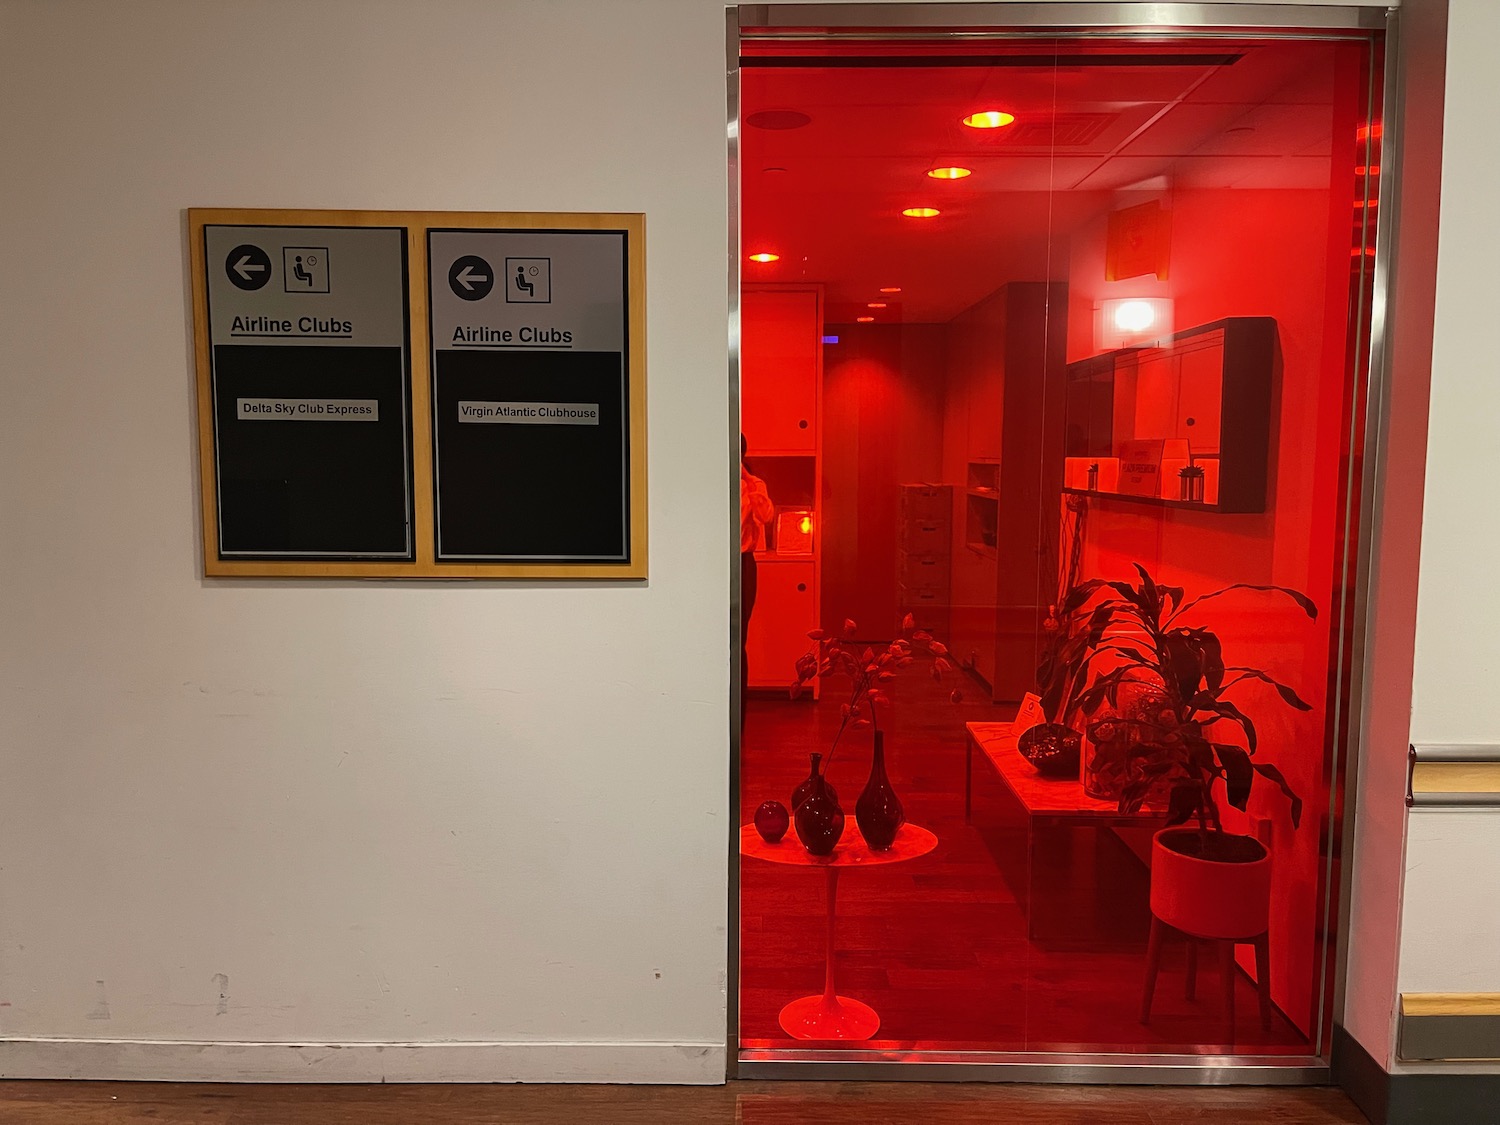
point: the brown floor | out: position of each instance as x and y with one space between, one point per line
940 946
749 1103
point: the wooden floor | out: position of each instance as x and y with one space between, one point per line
750 1103
940 946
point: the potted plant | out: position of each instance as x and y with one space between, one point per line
1205 881
815 810
1053 746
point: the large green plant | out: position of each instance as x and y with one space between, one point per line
1118 633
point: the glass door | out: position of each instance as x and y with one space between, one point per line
1052 347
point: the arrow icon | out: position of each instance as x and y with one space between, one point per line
468 278
471 278
244 267
248 266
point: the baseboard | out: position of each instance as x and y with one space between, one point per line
1426 1097
1357 1073
150 1060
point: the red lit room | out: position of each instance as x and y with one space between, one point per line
1049 353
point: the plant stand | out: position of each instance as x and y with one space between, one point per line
1227 972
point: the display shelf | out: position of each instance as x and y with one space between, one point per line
984 476
981 521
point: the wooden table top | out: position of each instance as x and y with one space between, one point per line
1044 796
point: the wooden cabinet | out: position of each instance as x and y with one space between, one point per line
785 609
781 379
781 349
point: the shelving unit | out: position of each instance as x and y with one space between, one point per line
781 381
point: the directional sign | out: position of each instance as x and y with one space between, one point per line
308 395
248 266
531 396
529 459
471 278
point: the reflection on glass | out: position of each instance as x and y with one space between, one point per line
1187 421
1019 448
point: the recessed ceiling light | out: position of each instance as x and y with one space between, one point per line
921 212
863 319
989 119
891 289
765 257
949 173
876 305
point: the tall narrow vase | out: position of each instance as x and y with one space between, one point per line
878 811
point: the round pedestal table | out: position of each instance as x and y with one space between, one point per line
827 1015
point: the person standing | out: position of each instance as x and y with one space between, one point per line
756 510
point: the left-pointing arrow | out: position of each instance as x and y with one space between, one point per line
471 278
245 267
468 278
248 266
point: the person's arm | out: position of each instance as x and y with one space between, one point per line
761 508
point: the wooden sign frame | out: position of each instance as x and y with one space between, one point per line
417 224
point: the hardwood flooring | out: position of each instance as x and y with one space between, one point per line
939 946
739 1103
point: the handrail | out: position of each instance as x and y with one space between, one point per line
1453 776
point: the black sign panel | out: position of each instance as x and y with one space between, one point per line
317 470
530 395
309 346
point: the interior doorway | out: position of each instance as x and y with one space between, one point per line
1052 350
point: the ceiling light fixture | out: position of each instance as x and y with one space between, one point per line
989 119
876 305
765 257
891 289
863 319
952 173
921 212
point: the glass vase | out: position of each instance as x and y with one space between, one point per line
878 811
819 820
803 791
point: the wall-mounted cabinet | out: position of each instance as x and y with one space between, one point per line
781 352
1183 425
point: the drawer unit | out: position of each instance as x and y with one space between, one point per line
926 537
926 502
928 609
924 572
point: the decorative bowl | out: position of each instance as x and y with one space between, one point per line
1051 748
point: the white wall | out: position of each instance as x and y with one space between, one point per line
487 817
384 812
